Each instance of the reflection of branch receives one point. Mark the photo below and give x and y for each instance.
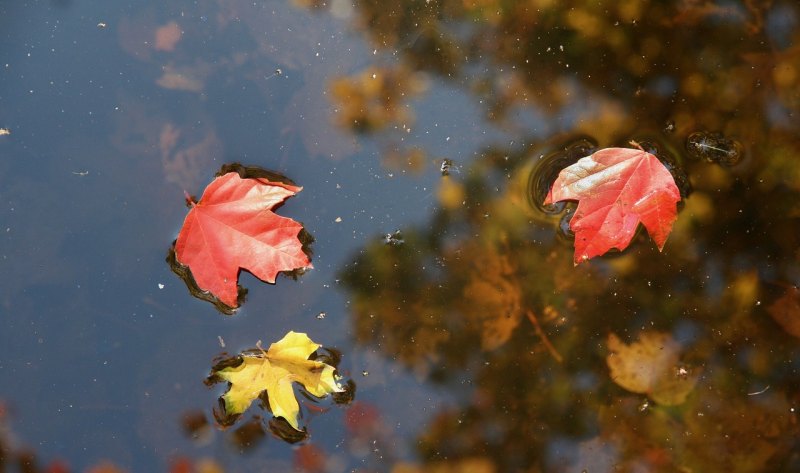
(543, 336)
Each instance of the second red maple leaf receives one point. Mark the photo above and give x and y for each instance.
(232, 227)
(616, 189)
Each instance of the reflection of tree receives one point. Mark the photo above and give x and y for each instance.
(14, 457)
(452, 300)
(691, 62)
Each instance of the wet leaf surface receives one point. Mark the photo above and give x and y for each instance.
(616, 189)
(272, 373)
(232, 227)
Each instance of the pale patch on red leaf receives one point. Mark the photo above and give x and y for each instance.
(233, 227)
(616, 189)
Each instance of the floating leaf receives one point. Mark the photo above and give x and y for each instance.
(232, 227)
(616, 188)
(273, 372)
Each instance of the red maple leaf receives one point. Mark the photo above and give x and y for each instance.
(233, 227)
(616, 188)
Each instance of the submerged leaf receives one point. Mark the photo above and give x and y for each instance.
(274, 371)
(651, 366)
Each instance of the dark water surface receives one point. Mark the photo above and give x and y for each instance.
(474, 343)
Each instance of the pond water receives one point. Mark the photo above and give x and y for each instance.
(424, 134)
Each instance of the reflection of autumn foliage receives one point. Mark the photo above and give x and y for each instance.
(167, 37)
(375, 99)
(185, 162)
(466, 465)
(436, 299)
(786, 311)
(14, 457)
(623, 64)
(492, 297)
(462, 282)
(750, 438)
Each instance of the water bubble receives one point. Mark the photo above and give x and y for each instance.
(714, 148)
(548, 167)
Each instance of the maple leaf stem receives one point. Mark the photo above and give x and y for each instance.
(550, 348)
(636, 144)
(188, 198)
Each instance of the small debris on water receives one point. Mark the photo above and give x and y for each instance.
(160, 285)
(759, 392)
(365, 373)
(643, 407)
(277, 72)
(4, 131)
(393, 239)
(101, 25)
(714, 148)
(221, 341)
(338, 220)
(447, 167)
(321, 315)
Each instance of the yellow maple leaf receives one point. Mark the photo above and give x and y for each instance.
(274, 371)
